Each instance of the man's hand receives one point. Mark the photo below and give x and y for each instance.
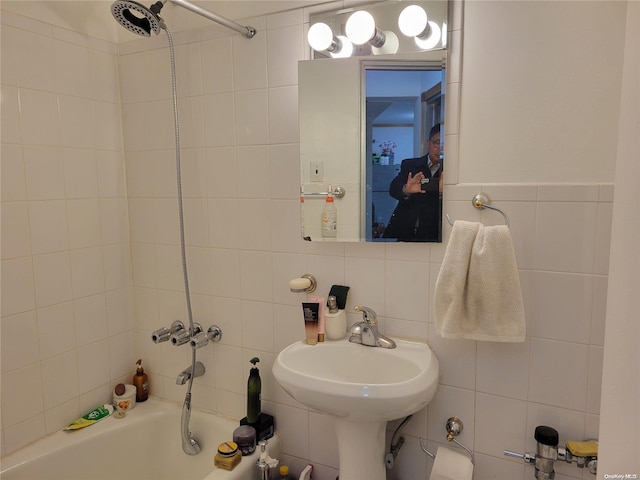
(413, 184)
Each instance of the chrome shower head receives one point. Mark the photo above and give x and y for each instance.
(136, 18)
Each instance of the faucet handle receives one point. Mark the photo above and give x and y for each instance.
(368, 314)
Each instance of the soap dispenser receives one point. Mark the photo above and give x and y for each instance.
(141, 381)
(254, 386)
(335, 320)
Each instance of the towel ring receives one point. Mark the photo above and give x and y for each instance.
(482, 200)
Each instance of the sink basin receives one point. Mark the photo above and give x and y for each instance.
(360, 388)
(356, 382)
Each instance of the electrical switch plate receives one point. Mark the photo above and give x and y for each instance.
(317, 171)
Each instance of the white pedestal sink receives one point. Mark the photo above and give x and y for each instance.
(361, 388)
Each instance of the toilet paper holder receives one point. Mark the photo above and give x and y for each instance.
(454, 427)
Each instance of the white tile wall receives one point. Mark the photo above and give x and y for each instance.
(70, 278)
(67, 329)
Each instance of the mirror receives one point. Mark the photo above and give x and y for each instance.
(404, 112)
(360, 117)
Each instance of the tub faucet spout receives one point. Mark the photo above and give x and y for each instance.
(185, 375)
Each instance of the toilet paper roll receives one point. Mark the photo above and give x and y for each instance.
(451, 465)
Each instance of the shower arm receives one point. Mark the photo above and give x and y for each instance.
(246, 31)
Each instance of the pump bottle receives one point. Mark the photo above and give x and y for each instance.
(329, 218)
(141, 381)
(335, 327)
(254, 385)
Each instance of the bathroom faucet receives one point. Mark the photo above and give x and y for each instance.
(366, 332)
(185, 375)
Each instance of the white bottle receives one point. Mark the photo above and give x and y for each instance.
(335, 321)
(329, 218)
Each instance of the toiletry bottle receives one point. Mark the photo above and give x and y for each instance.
(335, 327)
(321, 313)
(141, 381)
(254, 385)
(329, 218)
(284, 473)
(310, 311)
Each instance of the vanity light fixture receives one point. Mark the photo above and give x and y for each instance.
(385, 27)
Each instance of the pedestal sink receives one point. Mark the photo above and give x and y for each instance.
(360, 388)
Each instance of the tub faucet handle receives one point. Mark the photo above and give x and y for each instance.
(213, 334)
(163, 334)
(183, 336)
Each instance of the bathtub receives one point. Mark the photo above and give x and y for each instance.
(145, 445)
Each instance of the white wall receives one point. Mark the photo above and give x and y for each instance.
(67, 330)
(540, 96)
(620, 379)
(238, 116)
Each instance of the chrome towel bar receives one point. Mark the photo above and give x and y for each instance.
(337, 192)
(482, 200)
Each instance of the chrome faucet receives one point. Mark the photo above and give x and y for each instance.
(366, 332)
(185, 375)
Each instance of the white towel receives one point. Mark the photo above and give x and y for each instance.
(478, 295)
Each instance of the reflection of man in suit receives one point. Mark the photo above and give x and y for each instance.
(418, 189)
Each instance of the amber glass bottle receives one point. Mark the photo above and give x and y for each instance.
(141, 382)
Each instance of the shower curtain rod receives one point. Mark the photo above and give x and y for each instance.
(246, 31)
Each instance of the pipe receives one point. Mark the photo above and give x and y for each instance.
(247, 32)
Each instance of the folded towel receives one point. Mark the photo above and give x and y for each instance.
(478, 295)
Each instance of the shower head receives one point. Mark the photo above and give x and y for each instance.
(136, 18)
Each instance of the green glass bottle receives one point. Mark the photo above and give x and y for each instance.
(254, 386)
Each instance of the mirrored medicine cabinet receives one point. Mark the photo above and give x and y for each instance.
(361, 116)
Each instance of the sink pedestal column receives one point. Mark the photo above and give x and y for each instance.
(360, 449)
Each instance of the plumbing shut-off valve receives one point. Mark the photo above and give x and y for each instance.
(585, 454)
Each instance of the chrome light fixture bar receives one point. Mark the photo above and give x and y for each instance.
(382, 28)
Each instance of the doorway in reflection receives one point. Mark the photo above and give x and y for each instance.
(402, 105)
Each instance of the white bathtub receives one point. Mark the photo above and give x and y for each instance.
(145, 445)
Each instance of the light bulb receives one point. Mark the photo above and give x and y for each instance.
(360, 27)
(431, 41)
(346, 48)
(413, 21)
(320, 36)
(390, 45)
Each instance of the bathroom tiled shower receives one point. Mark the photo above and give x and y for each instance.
(91, 258)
